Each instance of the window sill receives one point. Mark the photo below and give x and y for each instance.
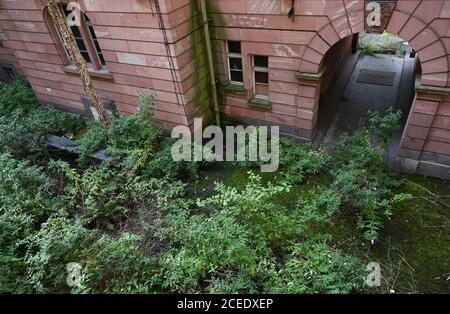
(235, 89)
(260, 103)
(99, 74)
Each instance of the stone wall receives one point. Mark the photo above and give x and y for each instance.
(133, 46)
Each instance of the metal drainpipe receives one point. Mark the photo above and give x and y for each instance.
(210, 61)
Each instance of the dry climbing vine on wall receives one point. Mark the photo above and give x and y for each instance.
(59, 20)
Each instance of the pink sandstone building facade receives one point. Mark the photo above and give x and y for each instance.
(273, 59)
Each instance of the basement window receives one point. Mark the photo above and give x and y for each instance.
(235, 66)
(7, 74)
(261, 77)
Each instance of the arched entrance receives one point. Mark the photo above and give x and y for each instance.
(425, 145)
(379, 76)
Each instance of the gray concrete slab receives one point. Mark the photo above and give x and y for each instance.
(358, 97)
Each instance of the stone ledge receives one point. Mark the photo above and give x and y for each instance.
(425, 168)
(72, 147)
(432, 89)
(235, 89)
(260, 103)
(310, 76)
(104, 73)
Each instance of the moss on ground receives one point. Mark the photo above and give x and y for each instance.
(414, 246)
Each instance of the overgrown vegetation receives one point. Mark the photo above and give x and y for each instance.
(132, 227)
(369, 48)
(136, 143)
(27, 124)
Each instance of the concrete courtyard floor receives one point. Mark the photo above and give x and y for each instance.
(346, 108)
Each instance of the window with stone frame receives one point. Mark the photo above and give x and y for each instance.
(85, 38)
(260, 77)
(235, 65)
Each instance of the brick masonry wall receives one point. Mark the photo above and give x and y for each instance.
(133, 46)
(301, 44)
(264, 28)
(332, 61)
(7, 57)
(134, 50)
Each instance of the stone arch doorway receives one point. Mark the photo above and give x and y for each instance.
(425, 143)
(354, 84)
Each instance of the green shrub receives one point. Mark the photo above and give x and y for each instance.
(119, 266)
(24, 205)
(28, 124)
(314, 267)
(131, 138)
(299, 161)
(370, 194)
(385, 126)
(162, 165)
(108, 265)
(362, 177)
(106, 196)
(60, 241)
(17, 95)
(137, 144)
(369, 48)
(319, 207)
(207, 246)
(255, 207)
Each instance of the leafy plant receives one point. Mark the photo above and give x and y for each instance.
(135, 143)
(299, 161)
(129, 137)
(28, 124)
(255, 207)
(106, 196)
(59, 242)
(384, 126)
(362, 178)
(369, 48)
(119, 266)
(207, 246)
(314, 267)
(23, 206)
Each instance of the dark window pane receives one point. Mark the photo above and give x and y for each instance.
(97, 46)
(234, 47)
(81, 44)
(64, 7)
(235, 64)
(91, 30)
(237, 76)
(90, 27)
(261, 61)
(76, 31)
(262, 77)
(102, 59)
(94, 38)
(86, 56)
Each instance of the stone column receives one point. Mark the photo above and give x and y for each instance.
(308, 104)
(414, 155)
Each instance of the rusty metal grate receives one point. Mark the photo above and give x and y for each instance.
(376, 77)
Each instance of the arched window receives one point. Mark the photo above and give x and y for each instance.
(85, 38)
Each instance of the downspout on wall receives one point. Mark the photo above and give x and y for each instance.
(210, 61)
